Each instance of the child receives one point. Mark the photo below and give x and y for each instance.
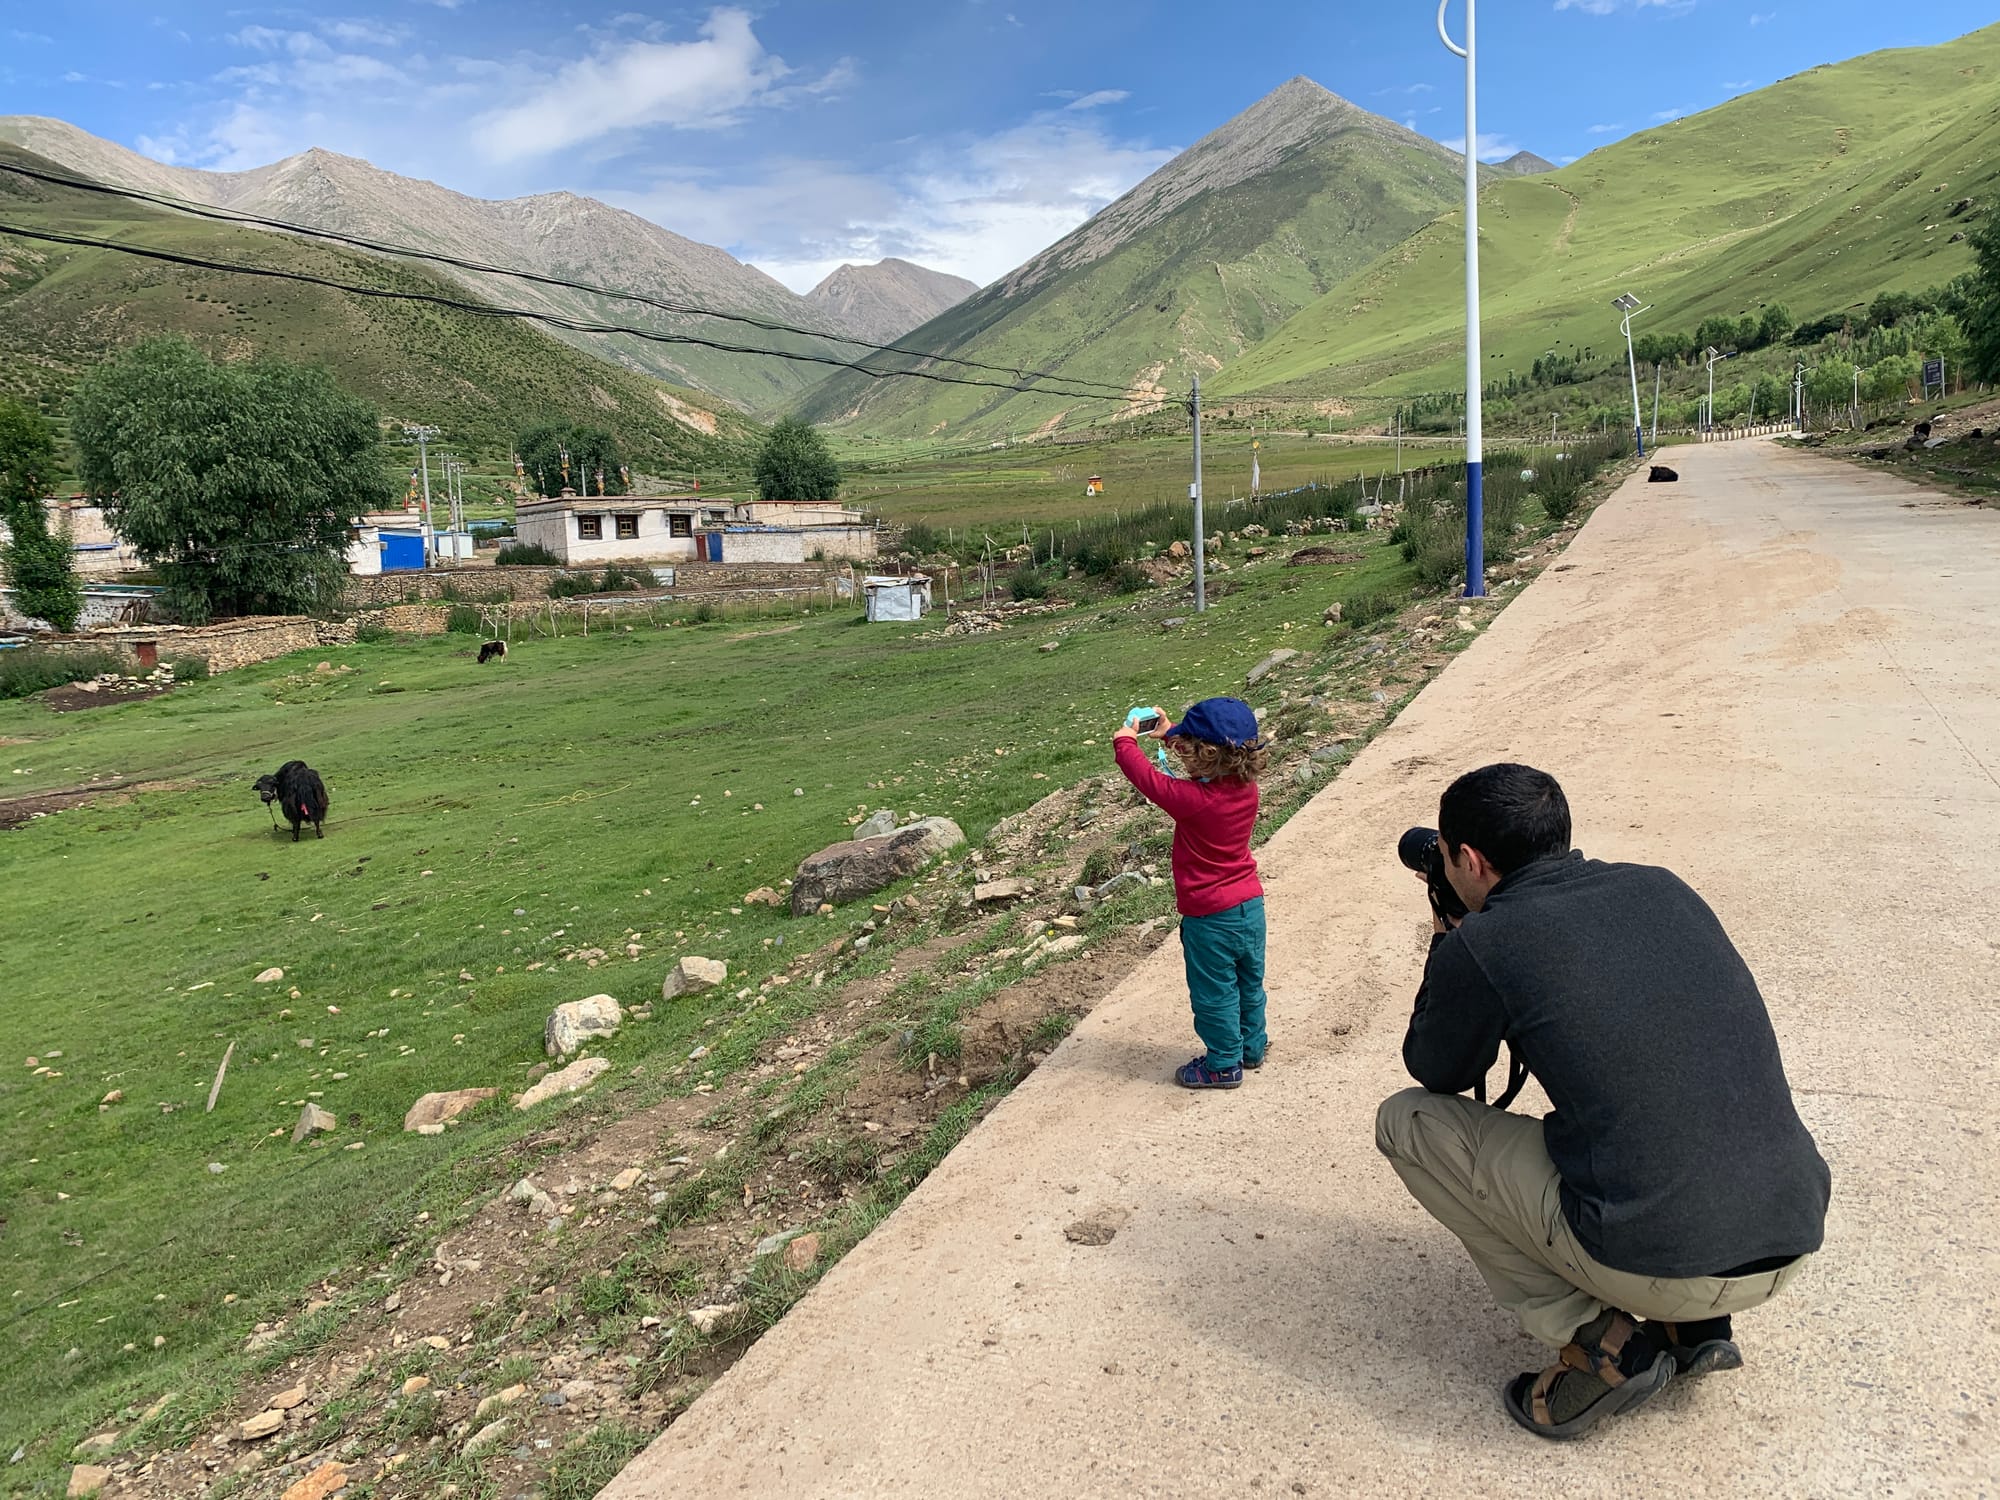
(1215, 880)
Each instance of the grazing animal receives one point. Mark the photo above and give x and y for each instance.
(490, 650)
(1662, 475)
(296, 788)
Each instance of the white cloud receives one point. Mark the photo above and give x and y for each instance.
(683, 85)
(1744, 83)
(1606, 7)
(1660, 116)
(1415, 88)
(1762, 17)
(1099, 97)
(1604, 130)
(1491, 147)
(975, 207)
(366, 33)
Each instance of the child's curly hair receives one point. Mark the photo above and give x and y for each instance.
(1210, 762)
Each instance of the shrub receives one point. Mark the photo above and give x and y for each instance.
(1560, 490)
(30, 671)
(373, 633)
(1028, 583)
(1128, 578)
(1367, 607)
(189, 669)
(527, 555)
(1434, 538)
(571, 586)
(463, 620)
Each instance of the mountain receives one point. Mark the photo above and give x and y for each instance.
(556, 234)
(1196, 264)
(882, 302)
(1523, 164)
(1819, 192)
(480, 379)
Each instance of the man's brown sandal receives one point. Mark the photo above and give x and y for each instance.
(1608, 1368)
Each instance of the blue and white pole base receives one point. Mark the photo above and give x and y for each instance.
(1639, 436)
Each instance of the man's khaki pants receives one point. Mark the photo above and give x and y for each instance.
(1486, 1176)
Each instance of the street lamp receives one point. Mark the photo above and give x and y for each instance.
(1712, 355)
(1475, 452)
(421, 434)
(1629, 305)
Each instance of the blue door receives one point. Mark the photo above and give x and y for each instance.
(402, 552)
(715, 546)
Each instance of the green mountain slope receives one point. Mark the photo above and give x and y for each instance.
(1818, 193)
(481, 380)
(1198, 263)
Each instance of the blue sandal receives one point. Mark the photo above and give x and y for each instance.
(1197, 1074)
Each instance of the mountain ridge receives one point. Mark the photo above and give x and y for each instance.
(882, 302)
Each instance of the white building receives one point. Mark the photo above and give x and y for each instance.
(618, 528)
(897, 598)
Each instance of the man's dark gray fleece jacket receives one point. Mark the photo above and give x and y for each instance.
(1673, 1128)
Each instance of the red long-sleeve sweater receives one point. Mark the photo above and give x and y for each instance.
(1213, 868)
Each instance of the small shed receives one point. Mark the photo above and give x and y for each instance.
(402, 551)
(897, 598)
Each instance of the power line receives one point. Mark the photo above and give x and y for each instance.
(554, 320)
(206, 211)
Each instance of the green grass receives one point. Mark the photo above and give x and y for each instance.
(584, 786)
(1819, 192)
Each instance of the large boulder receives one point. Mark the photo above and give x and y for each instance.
(692, 974)
(850, 870)
(573, 1079)
(435, 1109)
(570, 1026)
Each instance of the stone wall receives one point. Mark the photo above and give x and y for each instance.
(225, 647)
(478, 585)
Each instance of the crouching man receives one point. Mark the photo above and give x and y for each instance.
(1673, 1183)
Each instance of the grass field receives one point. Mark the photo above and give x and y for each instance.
(625, 787)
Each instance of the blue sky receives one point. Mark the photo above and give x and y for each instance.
(962, 134)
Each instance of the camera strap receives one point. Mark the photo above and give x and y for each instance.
(1517, 1076)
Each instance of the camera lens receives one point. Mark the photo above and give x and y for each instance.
(1414, 848)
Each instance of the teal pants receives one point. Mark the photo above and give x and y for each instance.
(1225, 976)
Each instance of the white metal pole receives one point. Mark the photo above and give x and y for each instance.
(1194, 494)
(1475, 517)
(1632, 364)
(1656, 403)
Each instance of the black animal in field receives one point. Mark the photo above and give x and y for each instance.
(298, 790)
(490, 650)
(1662, 475)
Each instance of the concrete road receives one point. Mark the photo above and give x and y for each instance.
(1781, 678)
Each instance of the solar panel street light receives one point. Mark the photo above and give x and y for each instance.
(1630, 305)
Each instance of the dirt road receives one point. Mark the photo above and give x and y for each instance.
(1777, 677)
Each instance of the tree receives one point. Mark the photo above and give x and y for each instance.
(1775, 323)
(1981, 294)
(39, 566)
(795, 464)
(592, 452)
(236, 482)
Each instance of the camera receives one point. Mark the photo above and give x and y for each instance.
(1420, 851)
(1143, 720)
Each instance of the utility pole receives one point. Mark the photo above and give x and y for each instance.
(1475, 508)
(1799, 396)
(1194, 494)
(1399, 440)
(1656, 403)
(1631, 307)
(1854, 411)
(421, 435)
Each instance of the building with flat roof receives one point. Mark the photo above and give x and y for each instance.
(618, 528)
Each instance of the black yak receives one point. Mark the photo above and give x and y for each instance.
(490, 650)
(298, 790)
(1662, 475)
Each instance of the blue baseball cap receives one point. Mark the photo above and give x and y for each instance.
(1218, 721)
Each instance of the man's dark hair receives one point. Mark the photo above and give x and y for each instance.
(1514, 815)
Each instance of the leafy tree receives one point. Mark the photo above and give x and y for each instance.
(590, 450)
(1830, 383)
(1775, 323)
(236, 482)
(39, 565)
(1980, 292)
(27, 454)
(795, 464)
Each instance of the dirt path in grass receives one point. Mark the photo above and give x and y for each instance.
(1774, 677)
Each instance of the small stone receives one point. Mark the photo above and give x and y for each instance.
(1010, 888)
(416, 1383)
(435, 1109)
(878, 824)
(394, 1302)
(499, 1399)
(216, 1168)
(269, 976)
(114, 1097)
(707, 1319)
(1269, 665)
(626, 1180)
(286, 1400)
(1098, 1228)
(327, 1479)
(98, 1442)
(763, 896)
(87, 1479)
(692, 974)
(438, 1342)
(260, 1426)
(312, 1120)
(486, 1437)
(802, 1254)
(1048, 646)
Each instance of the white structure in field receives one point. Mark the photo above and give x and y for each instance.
(897, 598)
(618, 528)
